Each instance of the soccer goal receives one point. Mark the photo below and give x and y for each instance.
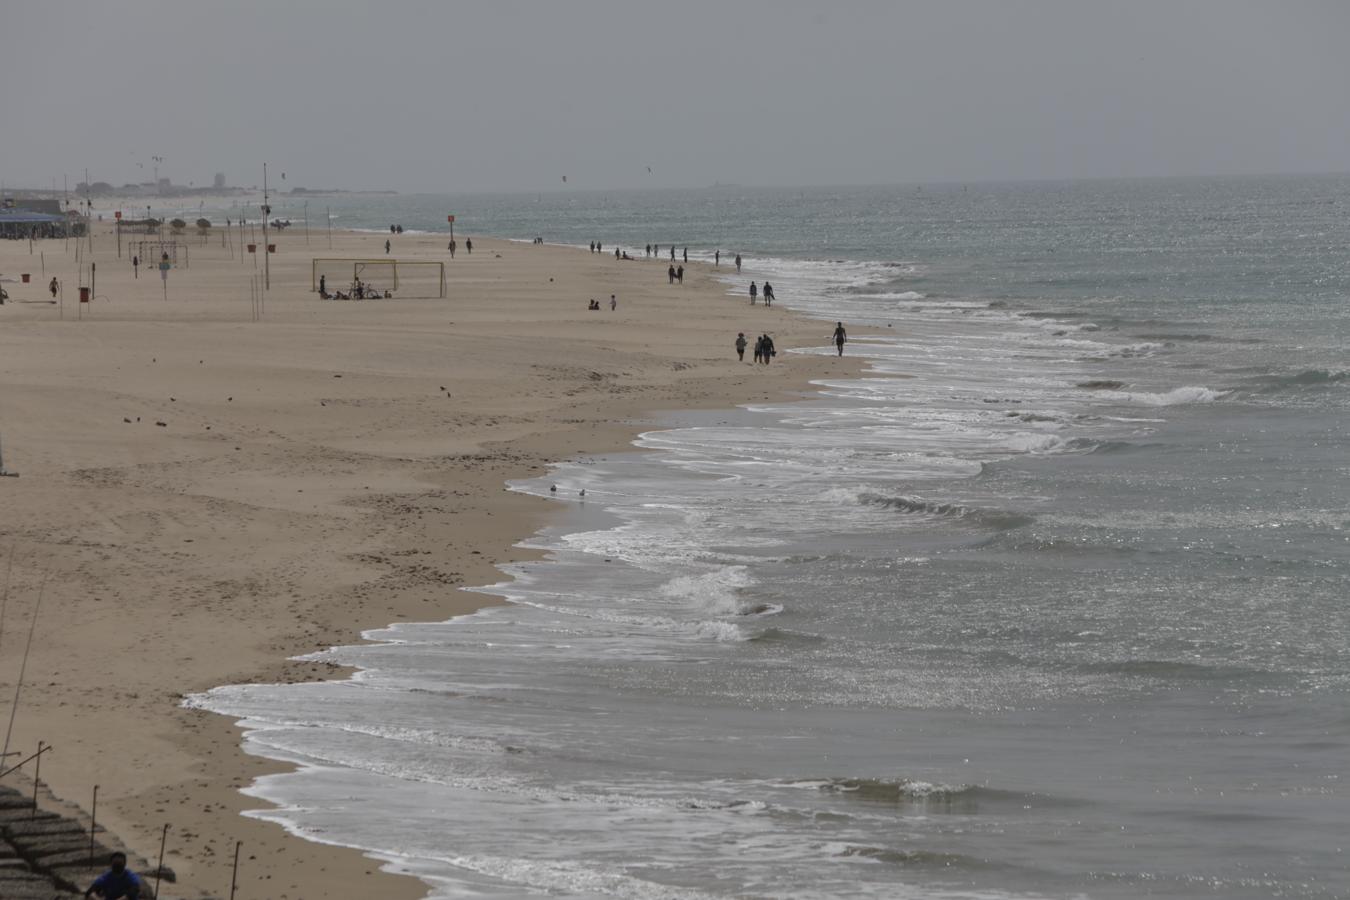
(400, 277)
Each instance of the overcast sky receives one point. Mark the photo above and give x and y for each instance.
(493, 95)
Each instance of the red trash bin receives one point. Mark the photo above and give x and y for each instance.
(84, 295)
(25, 276)
(252, 248)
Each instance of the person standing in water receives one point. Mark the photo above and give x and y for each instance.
(840, 337)
(738, 264)
(717, 258)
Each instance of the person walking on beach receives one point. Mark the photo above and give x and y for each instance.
(468, 246)
(649, 251)
(53, 287)
(323, 283)
(768, 294)
(840, 337)
(672, 252)
(738, 264)
(717, 258)
(386, 248)
(451, 248)
(613, 303)
(670, 275)
(759, 348)
(679, 274)
(118, 883)
(136, 266)
(769, 351)
(740, 346)
(754, 293)
(592, 246)
(686, 254)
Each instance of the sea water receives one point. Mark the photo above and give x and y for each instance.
(1050, 602)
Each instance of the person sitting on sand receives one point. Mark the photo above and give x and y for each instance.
(341, 296)
(118, 883)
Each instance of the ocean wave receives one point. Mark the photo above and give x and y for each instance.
(915, 506)
(1308, 378)
(1171, 669)
(1090, 445)
(1174, 397)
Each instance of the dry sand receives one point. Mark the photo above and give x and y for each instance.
(335, 467)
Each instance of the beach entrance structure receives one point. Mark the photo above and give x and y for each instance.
(406, 278)
(151, 252)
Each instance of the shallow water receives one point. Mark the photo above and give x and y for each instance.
(1050, 603)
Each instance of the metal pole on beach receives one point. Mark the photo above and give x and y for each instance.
(267, 214)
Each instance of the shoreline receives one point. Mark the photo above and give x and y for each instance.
(393, 476)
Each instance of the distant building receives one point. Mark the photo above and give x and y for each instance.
(220, 181)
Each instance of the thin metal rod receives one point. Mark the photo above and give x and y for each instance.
(23, 667)
(4, 598)
(19, 765)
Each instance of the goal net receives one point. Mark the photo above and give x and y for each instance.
(400, 277)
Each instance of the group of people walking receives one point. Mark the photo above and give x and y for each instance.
(764, 349)
(768, 294)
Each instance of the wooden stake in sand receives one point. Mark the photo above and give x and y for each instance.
(234, 875)
(93, 825)
(159, 870)
(37, 776)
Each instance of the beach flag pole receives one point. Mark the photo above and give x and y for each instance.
(159, 870)
(234, 876)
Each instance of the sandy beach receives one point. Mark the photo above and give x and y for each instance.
(202, 496)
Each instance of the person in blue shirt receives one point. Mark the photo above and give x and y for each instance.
(118, 883)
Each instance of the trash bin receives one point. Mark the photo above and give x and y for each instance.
(252, 248)
(26, 276)
(271, 248)
(84, 295)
